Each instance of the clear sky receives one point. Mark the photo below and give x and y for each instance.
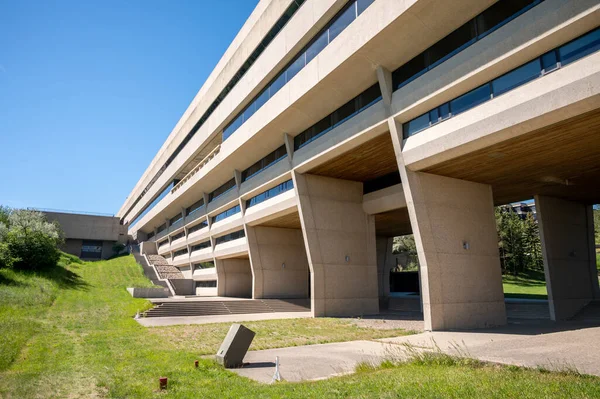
(90, 89)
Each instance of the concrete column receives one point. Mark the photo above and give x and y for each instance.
(567, 235)
(234, 277)
(455, 233)
(340, 245)
(385, 262)
(279, 263)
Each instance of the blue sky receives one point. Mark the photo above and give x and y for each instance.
(89, 90)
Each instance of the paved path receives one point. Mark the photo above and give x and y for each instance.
(230, 318)
(558, 347)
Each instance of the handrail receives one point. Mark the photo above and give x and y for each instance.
(200, 165)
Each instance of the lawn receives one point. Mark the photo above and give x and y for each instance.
(530, 285)
(85, 344)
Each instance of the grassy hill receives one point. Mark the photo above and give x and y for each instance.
(70, 334)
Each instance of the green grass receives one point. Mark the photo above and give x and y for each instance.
(85, 344)
(529, 285)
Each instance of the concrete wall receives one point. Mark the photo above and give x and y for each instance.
(340, 244)
(89, 227)
(234, 277)
(73, 247)
(279, 264)
(149, 292)
(183, 286)
(567, 234)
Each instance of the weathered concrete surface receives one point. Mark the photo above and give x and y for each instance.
(557, 347)
(232, 318)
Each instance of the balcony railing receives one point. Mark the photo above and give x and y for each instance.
(200, 165)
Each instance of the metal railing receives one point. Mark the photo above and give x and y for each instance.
(200, 165)
(71, 212)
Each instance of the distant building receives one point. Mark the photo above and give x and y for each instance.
(88, 236)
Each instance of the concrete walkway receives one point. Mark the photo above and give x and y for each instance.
(556, 347)
(230, 318)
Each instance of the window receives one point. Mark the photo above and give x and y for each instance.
(264, 163)
(516, 77)
(204, 265)
(202, 245)
(580, 47)
(180, 252)
(500, 13)
(156, 200)
(221, 190)
(495, 16)
(322, 39)
(197, 227)
(163, 243)
(379, 183)
(178, 236)
(150, 235)
(175, 219)
(281, 22)
(194, 207)
(91, 249)
(206, 284)
(230, 237)
(273, 192)
(470, 99)
(337, 117)
(229, 212)
(161, 228)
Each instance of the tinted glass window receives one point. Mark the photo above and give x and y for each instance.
(451, 43)
(276, 85)
(197, 227)
(498, 13)
(416, 125)
(549, 61)
(580, 47)
(363, 4)
(204, 265)
(294, 68)
(316, 47)
(516, 77)
(222, 190)
(195, 206)
(341, 22)
(202, 245)
(470, 100)
(262, 99)
(410, 70)
(344, 112)
(248, 112)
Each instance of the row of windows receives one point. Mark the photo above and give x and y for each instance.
(163, 243)
(161, 228)
(264, 163)
(540, 66)
(202, 245)
(206, 284)
(339, 116)
(381, 182)
(270, 193)
(180, 252)
(204, 265)
(230, 237)
(281, 22)
(322, 39)
(178, 236)
(482, 25)
(175, 219)
(194, 207)
(229, 212)
(150, 235)
(221, 190)
(198, 226)
(160, 196)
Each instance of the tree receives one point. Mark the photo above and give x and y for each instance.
(118, 247)
(29, 241)
(406, 245)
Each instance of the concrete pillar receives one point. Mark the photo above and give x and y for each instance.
(234, 277)
(455, 233)
(340, 245)
(279, 263)
(567, 235)
(385, 262)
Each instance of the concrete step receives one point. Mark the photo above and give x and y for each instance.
(211, 308)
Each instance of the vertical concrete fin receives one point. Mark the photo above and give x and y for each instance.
(384, 77)
(289, 146)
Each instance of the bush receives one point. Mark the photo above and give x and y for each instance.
(118, 248)
(28, 241)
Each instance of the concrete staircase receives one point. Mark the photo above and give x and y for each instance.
(163, 268)
(148, 270)
(215, 308)
(589, 314)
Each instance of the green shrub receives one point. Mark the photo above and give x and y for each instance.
(28, 241)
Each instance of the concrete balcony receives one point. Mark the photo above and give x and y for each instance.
(202, 255)
(231, 248)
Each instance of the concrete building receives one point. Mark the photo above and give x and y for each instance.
(330, 126)
(89, 236)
